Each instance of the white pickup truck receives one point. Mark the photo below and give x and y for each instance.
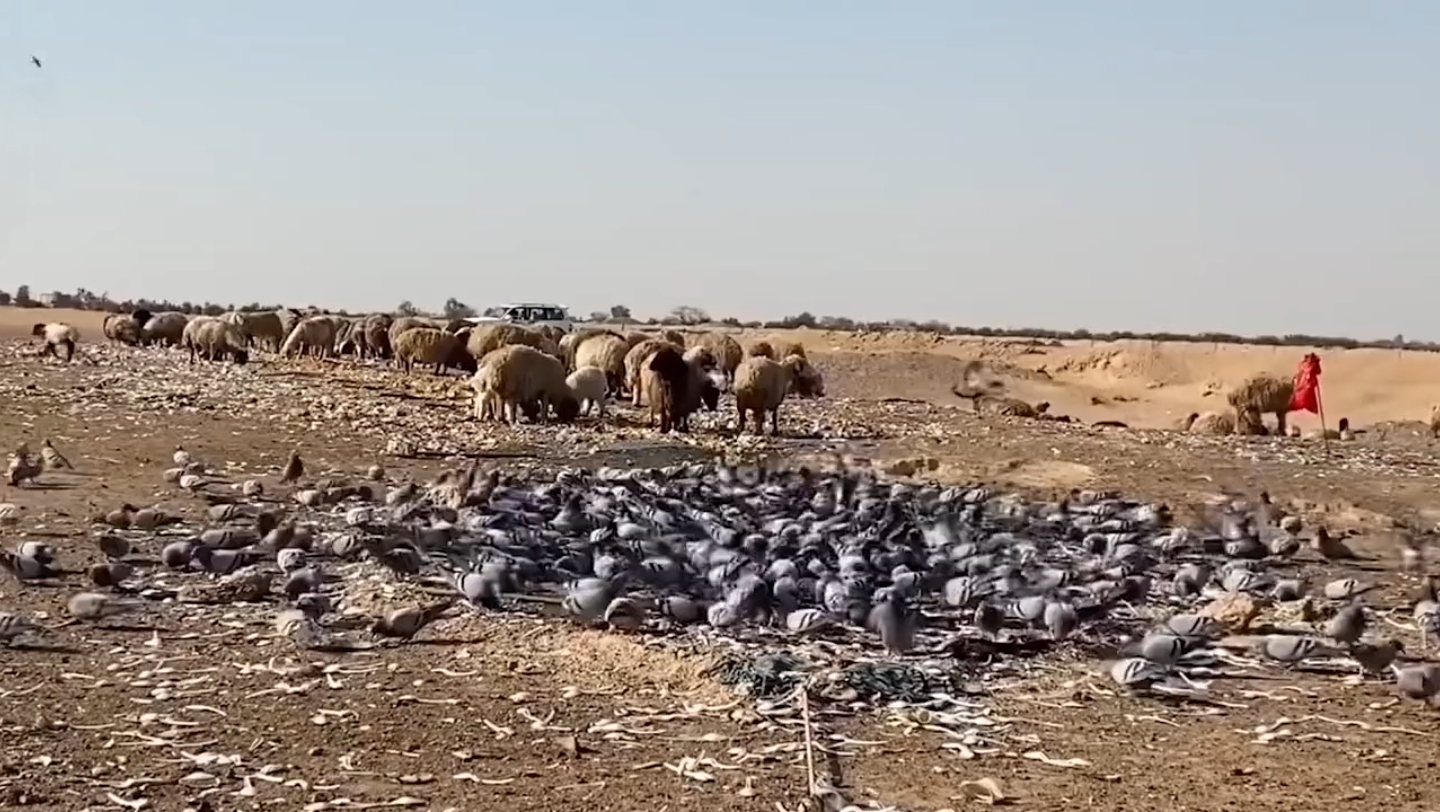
(530, 314)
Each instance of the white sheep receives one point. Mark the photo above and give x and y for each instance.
(589, 385)
(315, 334)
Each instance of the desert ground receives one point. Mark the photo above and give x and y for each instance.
(202, 708)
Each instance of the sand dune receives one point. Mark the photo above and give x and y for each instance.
(1143, 384)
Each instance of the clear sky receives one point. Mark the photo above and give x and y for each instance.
(1257, 167)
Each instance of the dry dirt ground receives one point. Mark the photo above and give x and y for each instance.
(205, 710)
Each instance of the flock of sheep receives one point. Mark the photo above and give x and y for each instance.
(543, 372)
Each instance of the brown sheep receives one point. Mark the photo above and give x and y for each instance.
(515, 375)
(491, 337)
(666, 380)
(605, 351)
(1435, 420)
(808, 383)
(725, 349)
(425, 345)
(374, 336)
(164, 328)
(636, 359)
(760, 387)
(1260, 395)
(674, 337)
(1211, 423)
(400, 325)
(573, 339)
(792, 348)
(761, 349)
(551, 332)
(635, 337)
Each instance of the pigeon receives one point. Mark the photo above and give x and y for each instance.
(624, 614)
(1287, 648)
(28, 567)
(35, 60)
(405, 623)
(1331, 549)
(1348, 625)
(1418, 681)
(294, 468)
(52, 459)
(895, 620)
(112, 546)
(98, 605)
(111, 574)
(1427, 614)
(1376, 658)
(14, 626)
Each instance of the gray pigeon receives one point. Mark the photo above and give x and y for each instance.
(97, 605)
(895, 620)
(1348, 625)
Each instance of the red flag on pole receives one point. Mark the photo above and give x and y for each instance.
(1306, 397)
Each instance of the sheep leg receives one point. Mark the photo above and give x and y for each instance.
(739, 419)
(1280, 421)
(69, 350)
(774, 422)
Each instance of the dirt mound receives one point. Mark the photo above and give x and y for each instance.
(1147, 367)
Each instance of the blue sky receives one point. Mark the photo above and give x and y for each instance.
(1251, 167)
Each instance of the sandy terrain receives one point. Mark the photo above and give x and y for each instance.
(203, 710)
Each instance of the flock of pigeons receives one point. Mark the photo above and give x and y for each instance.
(804, 552)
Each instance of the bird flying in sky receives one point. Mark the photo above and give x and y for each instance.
(36, 60)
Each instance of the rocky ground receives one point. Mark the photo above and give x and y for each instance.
(202, 708)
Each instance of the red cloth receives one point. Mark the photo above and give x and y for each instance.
(1306, 397)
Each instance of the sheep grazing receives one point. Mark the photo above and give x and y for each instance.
(491, 337)
(636, 359)
(725, 349)
(58, 334)
(606, 351)
(761, 349)
(121, 327)
(570, 341)
(589, 385)
(215, 338)
(760, 387)
(404, 323)
(373, 337)
(426, 345)
(289, 317)
(164, 328)
(314, 335)
(1260, 395)
(1209, 423)
(792, 348)
(808, 383)
(667, 383)
(517, 374)
(261, 329)
(674, 337)
(460, 357)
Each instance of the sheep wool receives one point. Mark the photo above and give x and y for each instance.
(488, 338)
(808, 383)
(121, 327)
(589, 385)
(761, 349)
(791, 348)
(1212, 423)
(726, 350)
(425, 345)
(607, 352)
(674, 337)
(56, 335)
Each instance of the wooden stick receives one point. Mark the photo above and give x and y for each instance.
(809, 742)
(1320, 407)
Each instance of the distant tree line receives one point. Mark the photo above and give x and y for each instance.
(690, 316)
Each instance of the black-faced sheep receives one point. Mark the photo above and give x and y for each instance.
(760, 388)
(589, 385)
(517, 374)
(667, 381)
(606, 351)
(215, 339)
(761, 349)
(58, 334)
(1260, 395)
(427, 346)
